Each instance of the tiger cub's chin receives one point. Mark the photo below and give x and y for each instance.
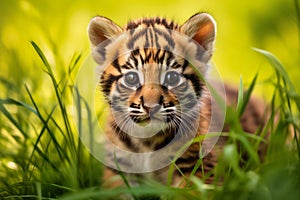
(154, 80)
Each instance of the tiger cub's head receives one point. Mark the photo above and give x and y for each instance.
(149, 75)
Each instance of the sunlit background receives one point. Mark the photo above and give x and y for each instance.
(59, 27)
(34, 160)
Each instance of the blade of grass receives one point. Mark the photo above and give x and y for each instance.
(58, 147)
(58, 96)
(276, 64)
(79, 100)
(35, 145)
(91, 132)
(247, 96)
(249, 149)
(123, 175)
(71, 67)
(288, 85)
(42, 56)
(18, 103)
(39, 190)
(74, 62)
(12, 119)
(240, 96)
(121, 172)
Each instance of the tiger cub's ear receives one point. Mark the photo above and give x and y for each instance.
(202, 28)
(101, 28)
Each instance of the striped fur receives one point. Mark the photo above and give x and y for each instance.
(147, 76)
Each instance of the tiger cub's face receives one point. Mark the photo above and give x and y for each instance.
(148, 73)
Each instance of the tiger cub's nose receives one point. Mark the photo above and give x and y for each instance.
(151, 98)
(153, 109)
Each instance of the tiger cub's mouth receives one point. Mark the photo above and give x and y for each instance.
(154, 114)
(141, 120)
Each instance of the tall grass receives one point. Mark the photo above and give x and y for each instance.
(42, 156)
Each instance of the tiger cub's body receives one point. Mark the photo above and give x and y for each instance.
(156, 98)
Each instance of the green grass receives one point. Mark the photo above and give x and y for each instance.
(42, 156)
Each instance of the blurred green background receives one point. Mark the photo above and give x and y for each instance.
(59, 28)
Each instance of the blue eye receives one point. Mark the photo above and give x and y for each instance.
(172, 79)
(132, 79)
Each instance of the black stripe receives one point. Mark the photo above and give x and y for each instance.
(132, 57)
(131, 31)
(142, 59)
(167, 48)
(175, 65)
(185, 65)
(190, 99)
(115, 104)
(164, 22)
(160, 60)
(152, 22)
(155, 57)
(120, 99)
(127, 65)
(106, 81)
(135, 52)
(168, 138)
(186, 169)
(115, 63)
(124, 137)
(206, 167)
(134, 38)
(170, 57)
(197, 85)
(166, 36)
(151, 38)
(147, 40)
(148, 54)
(156, 40)
(158, 20)
(188, 160)
(122, 89)
(101, 49)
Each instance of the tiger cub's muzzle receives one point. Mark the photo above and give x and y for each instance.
(152, 102)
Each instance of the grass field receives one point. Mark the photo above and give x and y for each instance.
(44, 45)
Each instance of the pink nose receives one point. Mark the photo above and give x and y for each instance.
(152, 109)
(151, 97)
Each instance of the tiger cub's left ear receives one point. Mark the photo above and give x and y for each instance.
(101, 28)
(202, 28)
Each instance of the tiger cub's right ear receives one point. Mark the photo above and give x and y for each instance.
(100, 29)
(202, 28)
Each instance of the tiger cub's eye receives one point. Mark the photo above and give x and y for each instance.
(132, 79)
(172, 79)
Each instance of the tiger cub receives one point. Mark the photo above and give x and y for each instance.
(157, 100)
